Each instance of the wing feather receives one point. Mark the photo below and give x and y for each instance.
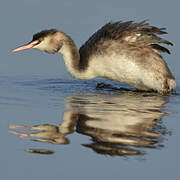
(133, 33)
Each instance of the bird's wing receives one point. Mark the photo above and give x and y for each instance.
(132, 33)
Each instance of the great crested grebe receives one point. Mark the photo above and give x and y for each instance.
(126, 52)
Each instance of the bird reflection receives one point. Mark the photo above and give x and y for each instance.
(118, 124)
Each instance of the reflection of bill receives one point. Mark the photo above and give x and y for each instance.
(118, 124)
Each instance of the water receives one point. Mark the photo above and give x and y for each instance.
(61, 128)
(68, 129)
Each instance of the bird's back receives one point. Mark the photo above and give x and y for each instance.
(137, 43)
(138, 34)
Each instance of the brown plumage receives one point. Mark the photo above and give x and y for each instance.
(138, 34)
(126, 52)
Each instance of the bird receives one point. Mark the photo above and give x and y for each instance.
(124, 51)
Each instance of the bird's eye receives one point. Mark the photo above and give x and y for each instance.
(36, 42)
(39, 41)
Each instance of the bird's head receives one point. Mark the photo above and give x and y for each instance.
(49, 41)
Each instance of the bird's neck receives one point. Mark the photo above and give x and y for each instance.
(72, 60)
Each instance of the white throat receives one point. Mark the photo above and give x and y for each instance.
(71, 58)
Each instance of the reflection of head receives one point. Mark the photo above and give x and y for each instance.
(118, 124)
